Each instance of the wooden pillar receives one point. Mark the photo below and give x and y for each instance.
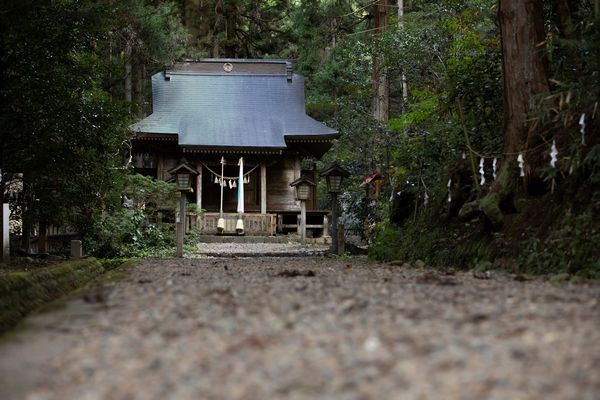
(334, 223)
(302, 226)
(199, 189)
(160, 167)
(325, 226)
(181, 226)
(43, 238)
(4, 232)
(263, 188)
(341, 240)
(297, 168)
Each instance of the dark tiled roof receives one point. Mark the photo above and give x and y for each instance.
(230, 110)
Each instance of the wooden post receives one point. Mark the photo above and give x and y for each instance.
(334, 224)
(160, 167)
(43, 238)
(5, 233)
(181, 226)
(263, 188)
(325, 226)
(76, 249)
(302, 226)
(199, 190)
(341, 240)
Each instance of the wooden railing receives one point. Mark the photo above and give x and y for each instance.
(254, 224)
(58, 239)
(317, 222)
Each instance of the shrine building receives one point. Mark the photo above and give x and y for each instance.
(218, 110)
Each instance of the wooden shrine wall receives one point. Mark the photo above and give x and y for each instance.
(280, 195)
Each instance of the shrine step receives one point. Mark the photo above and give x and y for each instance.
(260, 239)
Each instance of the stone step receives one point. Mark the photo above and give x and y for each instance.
(260, 239)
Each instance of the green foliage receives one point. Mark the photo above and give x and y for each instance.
(133, 232)
(63, 71)
(419, 112)
(61, 129)
(446, 50)
(192, 208)
(128, 233)
(192, 239)
(572, 246)
(385, 245)
(150, 194)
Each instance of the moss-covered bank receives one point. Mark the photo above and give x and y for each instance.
(547, 234)
(23, 292)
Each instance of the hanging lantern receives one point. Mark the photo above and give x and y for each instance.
(183, 175)
(334, 176)
(302, 186)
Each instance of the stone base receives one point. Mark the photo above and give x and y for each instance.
(261, 239)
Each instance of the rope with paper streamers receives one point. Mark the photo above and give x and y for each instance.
(553, 153)
(228, 178)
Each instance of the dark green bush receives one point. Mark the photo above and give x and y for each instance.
(571, 247)
(128, 233)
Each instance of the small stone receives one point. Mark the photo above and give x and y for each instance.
(396, 263)
(300, 286)
(371, 344)
(420, 264)
(482, 274)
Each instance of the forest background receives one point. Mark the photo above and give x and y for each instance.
(488, 148)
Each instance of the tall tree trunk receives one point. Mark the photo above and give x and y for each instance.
(128, 77)
(139, 89)
(381, 86)
(525, 74)
(402, 74)
(564, 17)
(230, 11)
(525, 70)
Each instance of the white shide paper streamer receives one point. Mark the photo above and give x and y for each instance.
(582, 129)
(553, 154)
(521, 161)
(482, 171)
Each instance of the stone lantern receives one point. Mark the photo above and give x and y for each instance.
(303, 187)
(334, 175)
(183, 174)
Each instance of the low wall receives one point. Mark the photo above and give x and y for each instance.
(23, 292)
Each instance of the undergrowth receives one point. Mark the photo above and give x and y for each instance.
(550, 234)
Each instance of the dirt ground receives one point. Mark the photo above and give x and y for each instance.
(310, 328)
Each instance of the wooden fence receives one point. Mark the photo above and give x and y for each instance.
(254, 224)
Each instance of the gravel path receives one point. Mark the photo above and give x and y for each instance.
(259, 249)
(310, 328)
